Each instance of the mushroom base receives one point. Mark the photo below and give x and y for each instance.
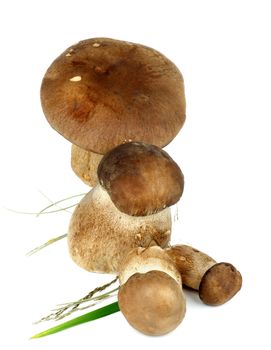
(100, 236)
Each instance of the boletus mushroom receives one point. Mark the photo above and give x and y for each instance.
(128, 209)
(216, 282)
(150, 295)
(100, 93)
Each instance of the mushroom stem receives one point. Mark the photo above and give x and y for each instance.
(191, 263)
(85, 163)
(150, 296)
(100, 236)
(216, 282)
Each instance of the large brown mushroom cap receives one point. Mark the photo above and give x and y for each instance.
(102, 92)
(152, 302)
(141, 179)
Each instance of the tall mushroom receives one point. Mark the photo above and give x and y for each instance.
(150, 295)
(217, 283)
(138, 182)
(100, 93)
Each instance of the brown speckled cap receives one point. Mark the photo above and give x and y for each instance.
(102, 92)
(141, 179)
(152, 302)
(219, 284)
(150, 295)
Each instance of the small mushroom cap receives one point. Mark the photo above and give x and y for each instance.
(141, 179)
(102, 92)
(219, 284)
(152, 302)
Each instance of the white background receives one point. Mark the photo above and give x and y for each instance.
(223, 51)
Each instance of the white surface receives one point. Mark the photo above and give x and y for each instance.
(223, 51)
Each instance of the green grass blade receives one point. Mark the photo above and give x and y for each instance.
(90, 316)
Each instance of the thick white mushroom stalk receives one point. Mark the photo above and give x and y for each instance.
(100, 236)
(145, 260)
(84, 164)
